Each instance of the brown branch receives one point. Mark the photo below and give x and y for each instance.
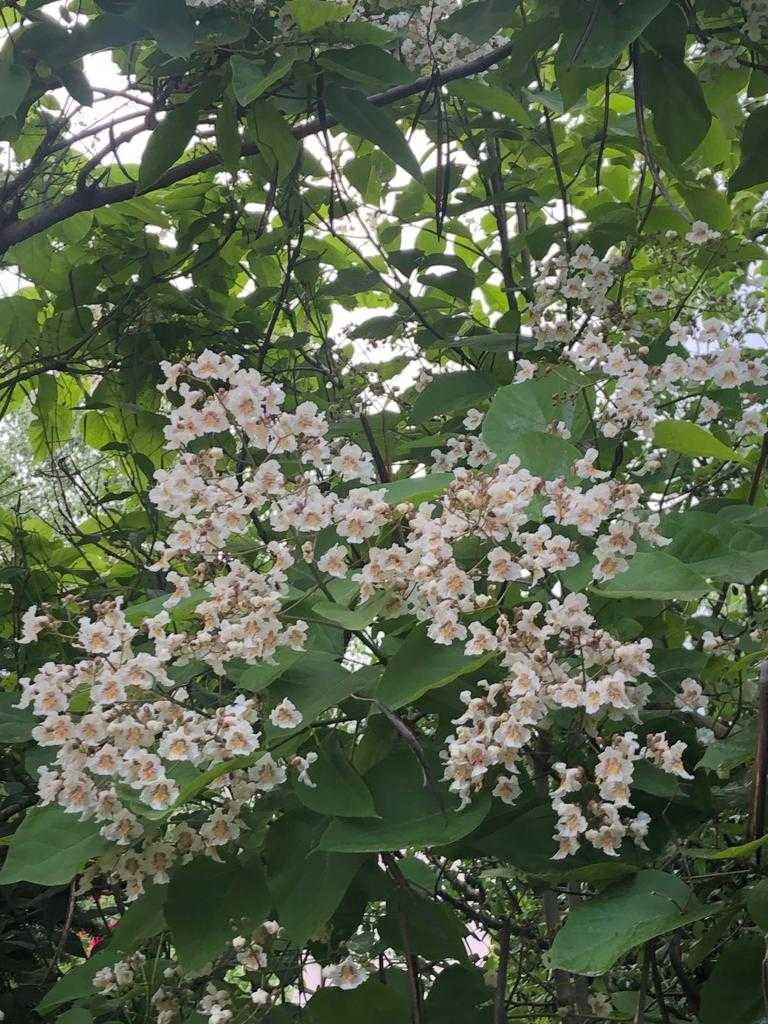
(500, 995)
(94, 198)
(382, 469)
(65, 927)
(639, 1017)
(759, 470)
(411, 960)
(757, 812)
(686, 983)
(658, 990)
(637, 85)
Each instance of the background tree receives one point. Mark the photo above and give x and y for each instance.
(384, 534)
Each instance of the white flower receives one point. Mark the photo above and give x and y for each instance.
(507, 788)
(701, 233)
(286, 715)
(352, 463)
(31, 625)
(334, 561)
(347, 974)
(691, 697)
(473, 419)
(160, 795)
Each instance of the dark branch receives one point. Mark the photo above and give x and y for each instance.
(94, 197)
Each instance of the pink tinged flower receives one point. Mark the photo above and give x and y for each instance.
(482, 640)
(295, 636)
(160, 795)
(507, 789)
(286, 715)
(32, 625)
(567, 846)
(348, 974)
(97, 637)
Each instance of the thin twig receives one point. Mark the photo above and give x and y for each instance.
(757, 810)
(637, 85)
(500, 997)
(65, 927)
(643, 993)
(93, 198)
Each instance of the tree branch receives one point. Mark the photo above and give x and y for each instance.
(94, 198)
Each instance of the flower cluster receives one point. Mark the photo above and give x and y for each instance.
(129, 740)
(612, 781)
(422, 41)
(120, 976)
(556, 658)
(756, 25)
(635, 390)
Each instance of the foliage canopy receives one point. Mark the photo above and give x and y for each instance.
(384, 538)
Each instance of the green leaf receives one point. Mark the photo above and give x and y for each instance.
(681, 117)
(573, 81)
(371, 1002)
(449, 393)
(729, 852)
(313, 14)
(205, 898)
(733, 991)
(169, 140)
(52, 425)
(354, 112)
(169, 22)
(650, 779)
(272, 134)
(731, 752)
(691, 439)
(459, 996)
(338, 790)
(656, 576)
(352, 618)
(597, 33)
(600, 931)
(76, 1015)
(50, 847)
(709, 205)
(250, 78)
(77, 983)
(416, 488)
(14, 82)
(478, 21)
(355, 32)
(412, 812)
(533, 405)
(316, 683)
(142, 920)
(753, 169)
(546, 455)
(434, 930)
(371, 66)
(307, 884)
(735, 567)
(756, 901)
(489, 97)
(16, 724)
(421, 665)
(77, 85)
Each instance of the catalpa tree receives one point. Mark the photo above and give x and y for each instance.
(384, 535)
